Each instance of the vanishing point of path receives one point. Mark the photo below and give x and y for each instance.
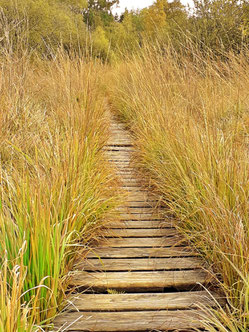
(141, 277)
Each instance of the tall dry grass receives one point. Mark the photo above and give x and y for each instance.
(190, 118)
(54, 181)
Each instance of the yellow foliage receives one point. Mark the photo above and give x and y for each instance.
(154, 18)
(46, 22)
(100, 42)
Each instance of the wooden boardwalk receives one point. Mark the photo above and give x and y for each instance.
(142, 276)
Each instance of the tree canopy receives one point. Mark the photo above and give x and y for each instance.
(219, 25)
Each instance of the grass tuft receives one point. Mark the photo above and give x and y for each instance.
(55, 183)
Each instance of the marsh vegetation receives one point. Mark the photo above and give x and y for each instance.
(179, 80)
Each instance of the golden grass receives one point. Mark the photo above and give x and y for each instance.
(190, 118)
(54, 181)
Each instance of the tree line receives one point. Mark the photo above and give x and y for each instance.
(90, 27)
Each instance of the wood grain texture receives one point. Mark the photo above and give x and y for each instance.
(107, 252)
(129, 321)
(142, 301)
(145, 242)
(139, 280)
(140, 232)
(144, 224)
(140, 264)
(142, 216)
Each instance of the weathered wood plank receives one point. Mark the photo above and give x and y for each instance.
(121, 163)
(142, 301)
(141, 224)
(140, 210)
(155, 280)
(131, 184)
(123, 171)
(117, 140)
(146, 204)
(139, 264)
(106, 252)
(142, 196)
(129, 181)
(120, 155)
(129, 321)
(140, 232)
(120, 151)
(119, 133)
(134, 189)
(140, 217)
(129, 177)
(143, 242)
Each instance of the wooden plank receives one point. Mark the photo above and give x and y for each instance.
(140, 264)
(152, 212)
(128, 176)
(137, 185)
(119, 132)
(149, 206)
(142, 301)
(120, 152)
(144, 204)
(154, 280)
(147, 203)
(129, 181)
(139, 210)
(121, 159)
(118, 159)
(125, 154)
(118, 126)
(140, 217)
(140, 252)
(141, 196)
(116, 132)
(117, 139)
(140, 232)
(163, 320)
(119, 143)
(113, 139)
(115, 242)
(115, 148)
(141, 224)
(119, 162)
(134, 189)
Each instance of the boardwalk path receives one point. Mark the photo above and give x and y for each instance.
(141, 277)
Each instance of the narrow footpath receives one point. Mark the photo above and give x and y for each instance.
(142, 276)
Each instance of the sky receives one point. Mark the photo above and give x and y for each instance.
(138, 4)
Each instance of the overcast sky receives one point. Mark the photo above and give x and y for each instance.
(134, 4)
